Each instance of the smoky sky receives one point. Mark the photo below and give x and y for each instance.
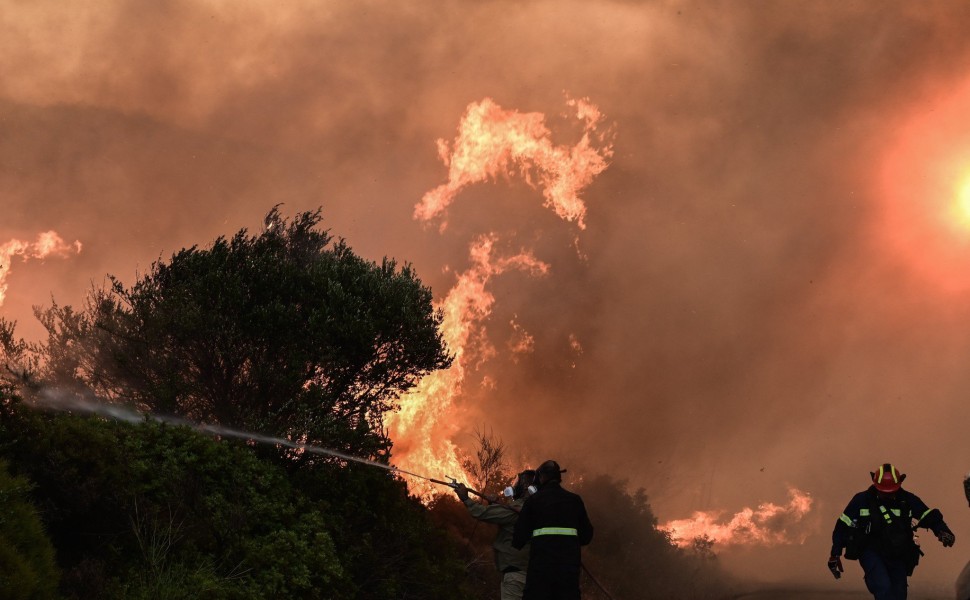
(739, 326)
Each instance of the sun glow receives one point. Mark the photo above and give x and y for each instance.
(962, 204)
(925, 192)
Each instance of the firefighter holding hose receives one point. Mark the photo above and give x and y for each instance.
(511, 562)
(876, 528)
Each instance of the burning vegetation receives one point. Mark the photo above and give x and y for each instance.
(48, 243)
(492, 142)
(136, 506)
(767, 525)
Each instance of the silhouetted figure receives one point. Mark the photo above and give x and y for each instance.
(963, 581)
(555, 522)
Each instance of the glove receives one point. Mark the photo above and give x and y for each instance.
(462, 492)
(835, 565)
(946, 537)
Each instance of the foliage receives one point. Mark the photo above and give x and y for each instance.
(285, 332)
(173, 512)
(489, 469)
(631, 558)
(27, 569)
(288, 333)
(473, 545)
(18, 365)
(393, 550)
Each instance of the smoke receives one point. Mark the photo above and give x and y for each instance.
(739, 321)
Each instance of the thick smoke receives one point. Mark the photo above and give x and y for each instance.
(738, 324)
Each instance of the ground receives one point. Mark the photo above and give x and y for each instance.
(820, 595)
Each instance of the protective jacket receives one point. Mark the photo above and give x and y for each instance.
(884, 525)
(507, 558)
(556, 523)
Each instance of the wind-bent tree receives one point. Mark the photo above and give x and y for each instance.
(285, 332)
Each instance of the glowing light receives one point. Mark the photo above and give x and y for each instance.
(925, 191)
(768, 525)
(48, 244)
(963, 203)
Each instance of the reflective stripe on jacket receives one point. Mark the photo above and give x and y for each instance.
(556, 523)
(856, 519)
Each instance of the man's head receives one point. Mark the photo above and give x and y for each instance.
(549, 471)
(887, 479)
(522, 483)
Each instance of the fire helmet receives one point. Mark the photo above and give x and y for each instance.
(887, 478)
(549, 471)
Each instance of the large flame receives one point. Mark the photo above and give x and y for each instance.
(48, 244)
(768, 525)
(423, 427)
(491, 142)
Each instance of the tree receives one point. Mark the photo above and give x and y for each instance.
(632, 558)
(287, 332)
(489, 469)
(18, 365)
(153, 511)
(27, 570)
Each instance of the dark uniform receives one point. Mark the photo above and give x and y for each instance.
(876, 528)
(555, 522)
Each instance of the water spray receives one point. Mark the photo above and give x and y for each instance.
(84, 402)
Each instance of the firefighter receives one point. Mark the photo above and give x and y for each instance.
(876, 529)
(963, 581)
(511, 562)
(555, 522)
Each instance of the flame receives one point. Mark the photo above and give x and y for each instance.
(48, 244)
(767, 525)
(521, 342)
(492, 141)
(421, 434)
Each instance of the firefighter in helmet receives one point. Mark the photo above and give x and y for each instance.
(556, 524)
(876, 528)
(511, 562)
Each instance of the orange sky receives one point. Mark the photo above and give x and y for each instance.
(764, 294)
